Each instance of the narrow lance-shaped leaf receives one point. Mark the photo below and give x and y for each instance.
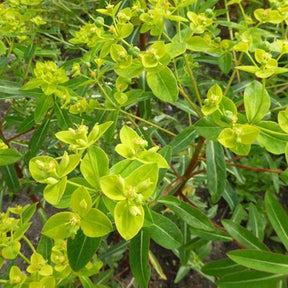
(45, 247)
(9, 156)
(249, 279)
(139, 258)
(38, 138)
(164, 232)
(222, 267)
(243, 236)
(202, 226)
(10, 177)
(278, 218)
(189, 214)
(256, 221)
(63, 118)
(216, 172)
(42, 107)
(183, 140)
(261, 260)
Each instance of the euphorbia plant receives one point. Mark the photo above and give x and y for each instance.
(186, 96)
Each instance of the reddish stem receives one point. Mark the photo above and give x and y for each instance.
(255, 168)
(20, 134)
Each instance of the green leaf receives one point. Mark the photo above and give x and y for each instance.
(152, 157)
(216, 170)
(283, 120)
(278, 218)
(45, 247)
(81, 249)
(230, 196)
(213, 235)
(221, 268)
(197, 43)
(207, 128)
(261, 260)
(62, 116)
(54, 193)
(9, 156)
(139, 258)
(87, 282)
(183, 140)
(11, 251)
(163, 85)
(156, 265)
(256, 221)
(9, 89)
(243, 236)
(175, 49)
(164, 232)
(286, 152)
(61, 225)
(96, 224)
(125, 167)
(272, 137)
(29, 52)
(256, 101)
(192, 216)
(10, 177)
(130, 71)
(81, 201)
(28, 212)
(249, 279)
(2, 48)
(32, 84)
(38, 138)
(214, 98)
(43, 105)
(181, 273)
(225, 62)
(128, 221)
(68, 163)
(144, 178)
(113, 187)
(250, 69)
(94, 165)
(43, 167)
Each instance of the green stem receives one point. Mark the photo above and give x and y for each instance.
(24, 258)
(166, 35)
(29, 244)
(79, 185)
(149, 123)
(251, 59)
(11, 44)
(105, 93)
(105, 109)
(179, 28)
(192, 104)
(242, 10)
(193, 80)
(232, 76)
(27, 69)
(228, 19)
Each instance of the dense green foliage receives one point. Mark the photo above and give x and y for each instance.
(119, 115)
